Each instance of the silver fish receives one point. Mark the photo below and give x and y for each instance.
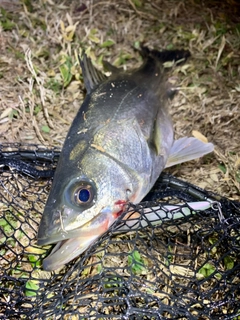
(119, 143)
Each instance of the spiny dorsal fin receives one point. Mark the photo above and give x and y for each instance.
(111, 68)
(91, 76)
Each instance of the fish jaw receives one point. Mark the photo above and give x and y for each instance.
(78, 240)
(58, 232)
(67, 250)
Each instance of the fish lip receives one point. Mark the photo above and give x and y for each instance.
(65, 251)
(91, 228)
(63, 236)
(53, 238)
(47, 241)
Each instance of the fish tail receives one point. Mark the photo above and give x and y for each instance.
(153, 61)
(178, 56)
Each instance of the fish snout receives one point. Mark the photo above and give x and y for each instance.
(51, 231)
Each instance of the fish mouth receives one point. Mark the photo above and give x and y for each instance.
(59, 233)
(75, 242)
(67, 250)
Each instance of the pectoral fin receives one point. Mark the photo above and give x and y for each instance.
(186, 149)
(161, 137)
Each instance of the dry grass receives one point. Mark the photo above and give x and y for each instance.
(39, 40)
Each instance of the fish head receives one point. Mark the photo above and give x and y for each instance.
(82, 205)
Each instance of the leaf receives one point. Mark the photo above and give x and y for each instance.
(228, 262)
(62, 26)
(6, 113)
(65, 69)
(136, 256)
(136, 263)
(13, 114)
(36, 250)
(37, 109)
(121, 60)
(207, 270)
(137, 3)
(92, 36)
(45, 129)
(170, 46)
(199, 136)
(51, 73)
(31, 288)
(66, 74)
(136, 44)
(7, 25)
(70, 29)
(3, 222)
(32, 258)
(107, 44)
(237, 176)
(222, 167)
(54, 85)
(220, 50)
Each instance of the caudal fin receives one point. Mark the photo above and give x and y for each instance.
(178, 56)
(186, 149)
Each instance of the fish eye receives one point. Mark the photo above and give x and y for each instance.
(84, 194)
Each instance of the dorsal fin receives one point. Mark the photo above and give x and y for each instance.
(91, 76)
(111, 68)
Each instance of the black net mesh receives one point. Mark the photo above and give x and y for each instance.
(173, 258)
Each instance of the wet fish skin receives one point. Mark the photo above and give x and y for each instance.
(116, 148)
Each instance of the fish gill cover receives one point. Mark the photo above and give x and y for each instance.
(179, 258)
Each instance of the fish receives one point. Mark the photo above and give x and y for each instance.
(120, 141)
